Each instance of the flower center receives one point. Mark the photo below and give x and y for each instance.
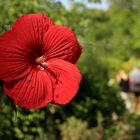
(41, 62)
(41, 59)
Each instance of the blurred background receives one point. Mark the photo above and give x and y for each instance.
(109, 31)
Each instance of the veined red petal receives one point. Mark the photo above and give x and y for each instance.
(60, 42)
(21, 45)
(14, 62)
(33, 91)
(66, 81)
(30, 29)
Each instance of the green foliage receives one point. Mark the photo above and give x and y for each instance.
(135, 126)
(74, 129)
(94, 0)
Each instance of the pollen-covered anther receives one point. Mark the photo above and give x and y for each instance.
(41, 61)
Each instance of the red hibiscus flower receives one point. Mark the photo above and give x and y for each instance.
(37, 62)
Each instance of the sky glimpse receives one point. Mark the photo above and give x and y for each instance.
(103, 5)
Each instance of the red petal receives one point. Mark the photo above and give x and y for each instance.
(67, 79)
(32, 91)
(60, 42)
(30, 29)
(14, 62)
(20, 46)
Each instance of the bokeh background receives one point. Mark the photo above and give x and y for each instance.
(109, 32)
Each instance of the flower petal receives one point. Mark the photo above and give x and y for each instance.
(14, 62)
(60, 42)
(33, 91)
(21, 45)
(30, 29)
(67, 79)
